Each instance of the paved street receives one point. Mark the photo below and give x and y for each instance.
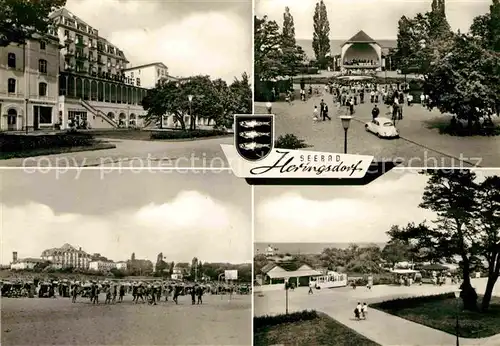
(380, 327)
(43, 321)
(419, 146)
(205, 153)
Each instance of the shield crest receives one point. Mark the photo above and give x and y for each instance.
(254, 135)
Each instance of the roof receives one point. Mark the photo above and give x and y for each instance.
(146, 65)
(295, 273)
(268, 267)
(65, 13)
(29, 259)
(361, 37)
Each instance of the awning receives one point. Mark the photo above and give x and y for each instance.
(404, 271)
(295, 273)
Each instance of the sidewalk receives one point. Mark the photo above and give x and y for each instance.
(383, 328)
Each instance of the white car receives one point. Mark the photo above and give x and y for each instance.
(382, 127)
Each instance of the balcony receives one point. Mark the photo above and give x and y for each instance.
(80, 43)
(81, 56)
(70, 52)
(68, 39)
(69, 68)
(100, 62)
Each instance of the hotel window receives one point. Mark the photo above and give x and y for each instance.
(138, 82)
(43, 45)
(11, 85)
(11, 60)
(42, 66)
(132, 74)
(42, 89)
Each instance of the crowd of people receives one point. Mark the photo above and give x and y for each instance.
(151, 291)
(360, 62)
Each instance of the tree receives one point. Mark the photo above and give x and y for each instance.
(161, 265)
(451, 194)
(211, 99)
(267, 50)
(321, 34)
(395, 250)
(464, 80)
(292, 54)
(171, 268)
(194, 269)
(439, 27)
(21, 19)
(488, 243)
(487, 27)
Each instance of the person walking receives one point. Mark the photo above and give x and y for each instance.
(325, 113)
(315, 113)
(375, 112)
(321, 108)
(311, 285)
(364, 311)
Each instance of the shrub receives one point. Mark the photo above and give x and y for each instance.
(269, 321)
(186, 134)
(16, 143)
(405, 303)
(290, 141)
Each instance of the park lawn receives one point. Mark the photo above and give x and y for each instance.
(321, 330)
(440, 313)
(158, 134)
(131, 134)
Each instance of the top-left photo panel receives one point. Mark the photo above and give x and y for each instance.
(122, 83)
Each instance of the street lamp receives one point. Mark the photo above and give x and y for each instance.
(346, 121)
(190, 99)
(457, 297)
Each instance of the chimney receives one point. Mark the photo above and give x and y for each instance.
(80, 249)
(14, 256)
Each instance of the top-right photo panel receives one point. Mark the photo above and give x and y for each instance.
(416, 82)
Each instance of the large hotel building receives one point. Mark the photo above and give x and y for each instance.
(72, 75)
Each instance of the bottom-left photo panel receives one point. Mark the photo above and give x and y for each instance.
(93, 257)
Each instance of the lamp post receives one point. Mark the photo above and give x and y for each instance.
(190, 99)
(346, 121)
(457, 297)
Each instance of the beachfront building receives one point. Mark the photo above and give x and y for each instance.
(93, 89)
(29, 84)
(67, 256)
(361, 55)
(121, 265)
(272, 274)
(102, 266)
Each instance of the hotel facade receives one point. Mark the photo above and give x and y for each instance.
(72, 75)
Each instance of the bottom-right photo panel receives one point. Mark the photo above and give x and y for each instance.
(412, 258)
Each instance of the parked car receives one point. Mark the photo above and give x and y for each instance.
(382, 127)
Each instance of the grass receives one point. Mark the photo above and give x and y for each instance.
(54, 151)
(439, 312)
(320, 330)
(154, 135)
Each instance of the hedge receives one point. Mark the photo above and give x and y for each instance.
(269, 321)
(186, 134)
(16, 143)
(405, 303)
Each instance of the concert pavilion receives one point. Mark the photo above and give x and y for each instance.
(361, 52)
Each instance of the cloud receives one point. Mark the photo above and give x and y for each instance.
(357, 214)
(192, 224)
(216, 42)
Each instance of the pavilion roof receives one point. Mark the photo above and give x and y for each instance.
(361, 37)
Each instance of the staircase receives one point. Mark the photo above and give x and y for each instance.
(99, 113)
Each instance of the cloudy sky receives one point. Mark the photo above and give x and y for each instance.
(340, 214)
(189, 36)
(378, 18)
(182, 215)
